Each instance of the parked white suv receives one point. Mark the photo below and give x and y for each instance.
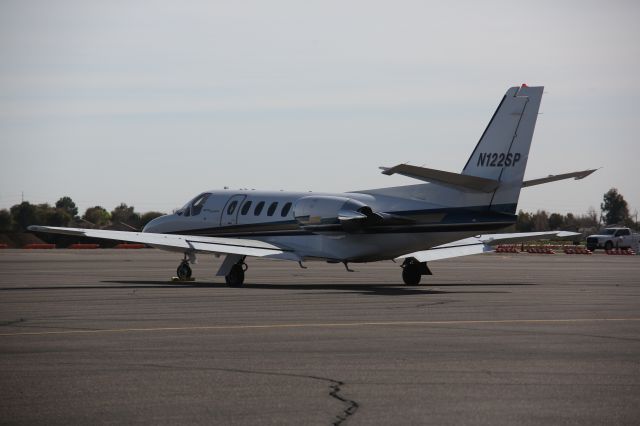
(612, 238)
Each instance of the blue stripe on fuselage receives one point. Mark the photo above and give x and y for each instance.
(453, 219)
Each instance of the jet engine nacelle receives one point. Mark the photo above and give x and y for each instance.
(321, 213)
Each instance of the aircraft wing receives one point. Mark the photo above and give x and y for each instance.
(182, 243)
(481, 244)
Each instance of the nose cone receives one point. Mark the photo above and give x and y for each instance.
(158, 225)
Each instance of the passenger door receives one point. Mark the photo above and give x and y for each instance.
(624, 238)
(231, 209)
(212, 211)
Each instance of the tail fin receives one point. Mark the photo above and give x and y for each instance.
(503, 150)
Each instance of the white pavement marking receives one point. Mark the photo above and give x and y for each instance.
(321, 325)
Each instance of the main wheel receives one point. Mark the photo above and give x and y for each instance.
(184, 271)
(411, 274)
(236, 276)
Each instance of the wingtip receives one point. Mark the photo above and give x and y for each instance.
(386, 170)
(587, 173)
(565, 234)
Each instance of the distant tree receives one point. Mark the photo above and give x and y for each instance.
(590, 220)
(556, 221)
(25, 214)
(125, 214)
(614, 208)
(634, 222)
(524, 222)
(571, 222)
(54, 217)
(67, 204)
(148, 217)
(6, 221)
(97, 215)
(540, 221)
(50, 216)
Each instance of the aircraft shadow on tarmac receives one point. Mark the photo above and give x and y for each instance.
(384, 289)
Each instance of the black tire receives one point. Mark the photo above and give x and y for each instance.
(184, 271)
(608, 245)
(235, 278)
(411, 275)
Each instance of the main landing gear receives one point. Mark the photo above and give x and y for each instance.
(235, 277)
(412, 271)
(184, 271)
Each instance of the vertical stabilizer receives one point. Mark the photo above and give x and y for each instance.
(503, 150)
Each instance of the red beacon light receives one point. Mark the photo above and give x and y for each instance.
(524, 85)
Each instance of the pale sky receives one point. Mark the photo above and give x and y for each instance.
(152, 102)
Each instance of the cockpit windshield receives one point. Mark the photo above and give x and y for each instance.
(194, 207)
(198, 203)
(609, 231)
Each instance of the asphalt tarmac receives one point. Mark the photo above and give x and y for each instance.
(102, 336)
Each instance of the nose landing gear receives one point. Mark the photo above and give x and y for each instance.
(183, 271)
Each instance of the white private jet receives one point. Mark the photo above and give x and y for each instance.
(438, 219)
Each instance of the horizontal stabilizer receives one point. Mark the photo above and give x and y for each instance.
(552, 178)
(465, 182)
(482, 244)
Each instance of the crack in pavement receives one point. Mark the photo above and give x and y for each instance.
(352, 406)
(335, 386)
(423, 305)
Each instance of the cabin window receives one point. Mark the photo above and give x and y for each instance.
(272, 208)
(245, 208)
(259, 208)
(285, 210)
(232, 207)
